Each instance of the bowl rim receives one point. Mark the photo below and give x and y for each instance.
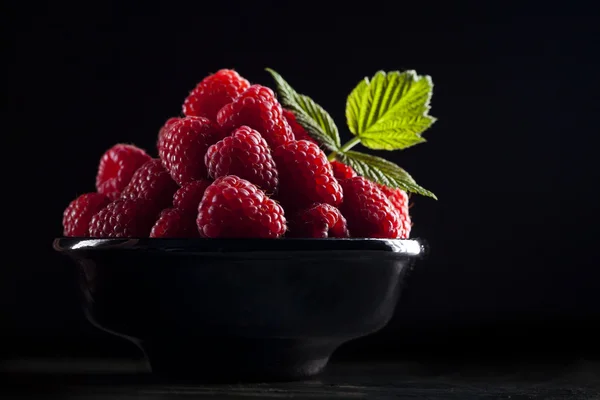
(414, 247)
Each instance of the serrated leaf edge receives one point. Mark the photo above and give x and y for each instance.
(365, 83)
(379, 176)
(290, 98)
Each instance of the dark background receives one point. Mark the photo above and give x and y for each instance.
(511, 158)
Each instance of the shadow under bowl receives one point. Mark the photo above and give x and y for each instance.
(240, 309)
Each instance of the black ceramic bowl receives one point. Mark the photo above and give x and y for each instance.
(241, 308)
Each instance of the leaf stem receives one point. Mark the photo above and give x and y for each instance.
(347, 146)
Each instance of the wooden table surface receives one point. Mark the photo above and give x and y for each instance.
(119, 379)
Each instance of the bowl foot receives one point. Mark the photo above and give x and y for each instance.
(238, 359)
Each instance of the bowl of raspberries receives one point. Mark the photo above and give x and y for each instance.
(240, 248)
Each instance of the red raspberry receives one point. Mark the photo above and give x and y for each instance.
(258, 108)
(174, 223)
(124, 218)
(116, 168)
(232, 207)
(79, 213)
(305, 176)
(342, 171)
(183, 146)
(188, 197)
(152, 182)
(299, 132)
(166, 126)
(213, 92)
(399, 199)
(368, 211)
(245, 154)
(318, 221)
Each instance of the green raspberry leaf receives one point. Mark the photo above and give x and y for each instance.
(390, 111)
(309, 114)
(382, 171)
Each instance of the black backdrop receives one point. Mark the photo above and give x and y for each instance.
(511, 157)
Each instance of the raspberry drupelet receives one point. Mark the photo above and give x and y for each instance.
(245, 154)
(79, 213)
(368, 211)
(183, 146)
(232, 207)
(117, 166)
(188, 197)
(124, 218)
(214, 92)
(174, 223)
(305, 176)
(257, 108)
(153, 183)
(318, 221)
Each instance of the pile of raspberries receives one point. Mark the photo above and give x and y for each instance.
(235, 165)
